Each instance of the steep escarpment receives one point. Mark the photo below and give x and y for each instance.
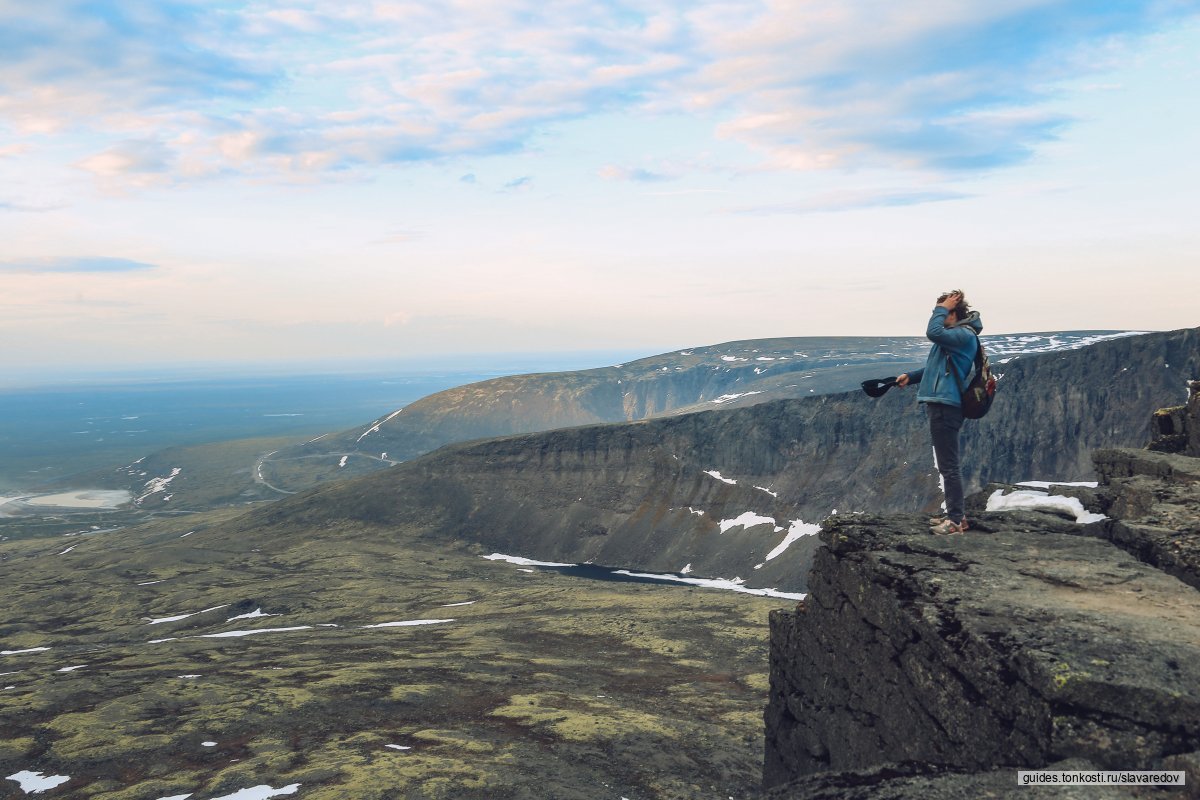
(937, 664)
(665, 493)
(719, 376)
(730, 375)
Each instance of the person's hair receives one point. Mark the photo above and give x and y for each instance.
(963, 309)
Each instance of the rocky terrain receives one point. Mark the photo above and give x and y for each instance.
(936, 666)
(665, 493)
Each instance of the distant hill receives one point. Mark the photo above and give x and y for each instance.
(730, 375)
(721, 490)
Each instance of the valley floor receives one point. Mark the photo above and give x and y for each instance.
(179, 660)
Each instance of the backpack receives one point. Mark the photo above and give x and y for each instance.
(977, 396)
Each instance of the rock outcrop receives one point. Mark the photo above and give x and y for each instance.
(1172, 431)
(930, 666)
(1153, 500)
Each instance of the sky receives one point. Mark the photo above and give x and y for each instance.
(285, 182)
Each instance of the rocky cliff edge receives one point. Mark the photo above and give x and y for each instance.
(938, 666)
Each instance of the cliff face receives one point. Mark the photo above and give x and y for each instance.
(727, 375)
(731, 375)
(1030, 640)
(641, 494)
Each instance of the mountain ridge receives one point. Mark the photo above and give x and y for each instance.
(727, 375)
(627, 493)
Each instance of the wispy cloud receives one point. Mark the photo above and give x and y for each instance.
(83, 264)
(28, 208)
(68, 61)
(135, 163)
(519, 184)
(853, 201)
(944, 86)
(186, 90)
(636, 174)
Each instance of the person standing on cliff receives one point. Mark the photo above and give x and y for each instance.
(954, 330)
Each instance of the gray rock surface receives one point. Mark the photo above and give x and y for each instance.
(1154, 499)
(923, 666)
(1019, 646)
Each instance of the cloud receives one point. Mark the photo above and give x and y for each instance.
(75, 264)
(28, 208)
(129, 158)
(67, 62)
(635, 174)
(854, 201)
(186, 90)
(519, 184)
(943, 86)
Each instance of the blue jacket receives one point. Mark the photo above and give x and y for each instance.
(938, 385)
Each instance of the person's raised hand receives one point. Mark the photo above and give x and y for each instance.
(951, 301)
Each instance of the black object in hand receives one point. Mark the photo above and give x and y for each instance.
(877, 387)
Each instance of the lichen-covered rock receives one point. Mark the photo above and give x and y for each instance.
(1189, 764)
(919, 663)
(1154, 499)
(1169, 426)
(1009, 645)
(1177, 429)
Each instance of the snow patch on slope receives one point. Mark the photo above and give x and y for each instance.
(375, 428)
(1022, 499)
(156, 485)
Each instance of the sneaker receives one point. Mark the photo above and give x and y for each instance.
(947, 527)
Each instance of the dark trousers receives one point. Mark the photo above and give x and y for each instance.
(944, 424)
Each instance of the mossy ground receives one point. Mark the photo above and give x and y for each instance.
(545, 686)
